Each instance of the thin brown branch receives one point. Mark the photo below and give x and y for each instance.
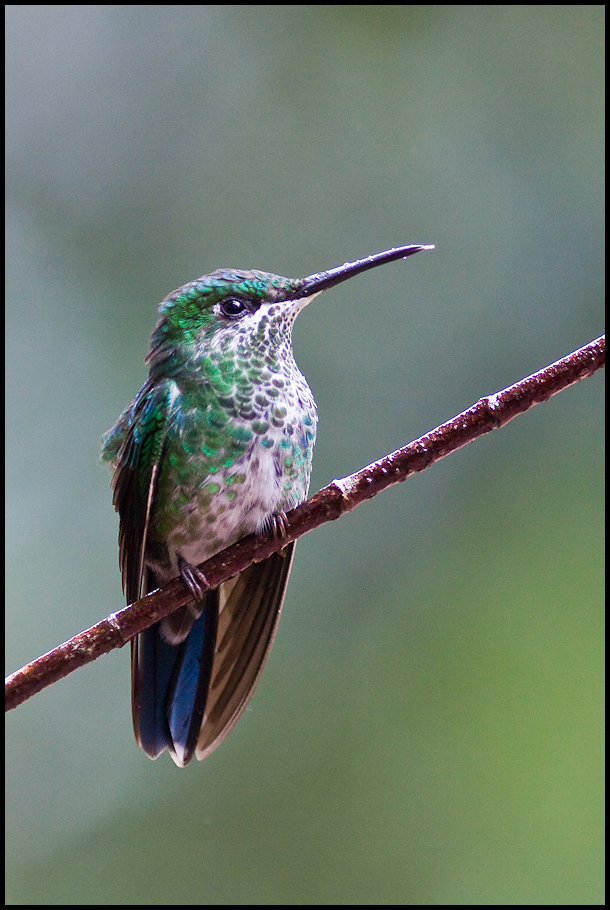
(330, 503)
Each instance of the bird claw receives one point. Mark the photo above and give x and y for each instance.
(193, 578)
(278, 525)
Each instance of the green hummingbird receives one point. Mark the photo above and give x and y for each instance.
(216, 445)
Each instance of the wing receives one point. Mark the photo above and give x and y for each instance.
(143, 429)
(249, 611)
(137, 445)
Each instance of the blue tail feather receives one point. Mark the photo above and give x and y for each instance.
(170, 686)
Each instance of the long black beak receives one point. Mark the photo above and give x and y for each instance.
(313, 284)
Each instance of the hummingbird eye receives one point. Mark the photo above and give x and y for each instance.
(233, 307)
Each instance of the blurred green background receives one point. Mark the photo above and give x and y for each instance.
(429, 726)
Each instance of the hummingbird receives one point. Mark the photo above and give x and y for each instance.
(216, 445)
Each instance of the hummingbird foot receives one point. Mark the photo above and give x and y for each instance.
(193, 578)
(278, 525)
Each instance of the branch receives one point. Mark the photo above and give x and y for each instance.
(331, 502)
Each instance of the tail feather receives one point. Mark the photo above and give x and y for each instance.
(186, 697)
(170, 685)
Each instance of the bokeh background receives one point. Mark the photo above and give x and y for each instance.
(428, 727)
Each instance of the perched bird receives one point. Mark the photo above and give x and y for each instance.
(216, 445)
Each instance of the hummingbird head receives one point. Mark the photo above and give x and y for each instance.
(236, 311)
(227, 310)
